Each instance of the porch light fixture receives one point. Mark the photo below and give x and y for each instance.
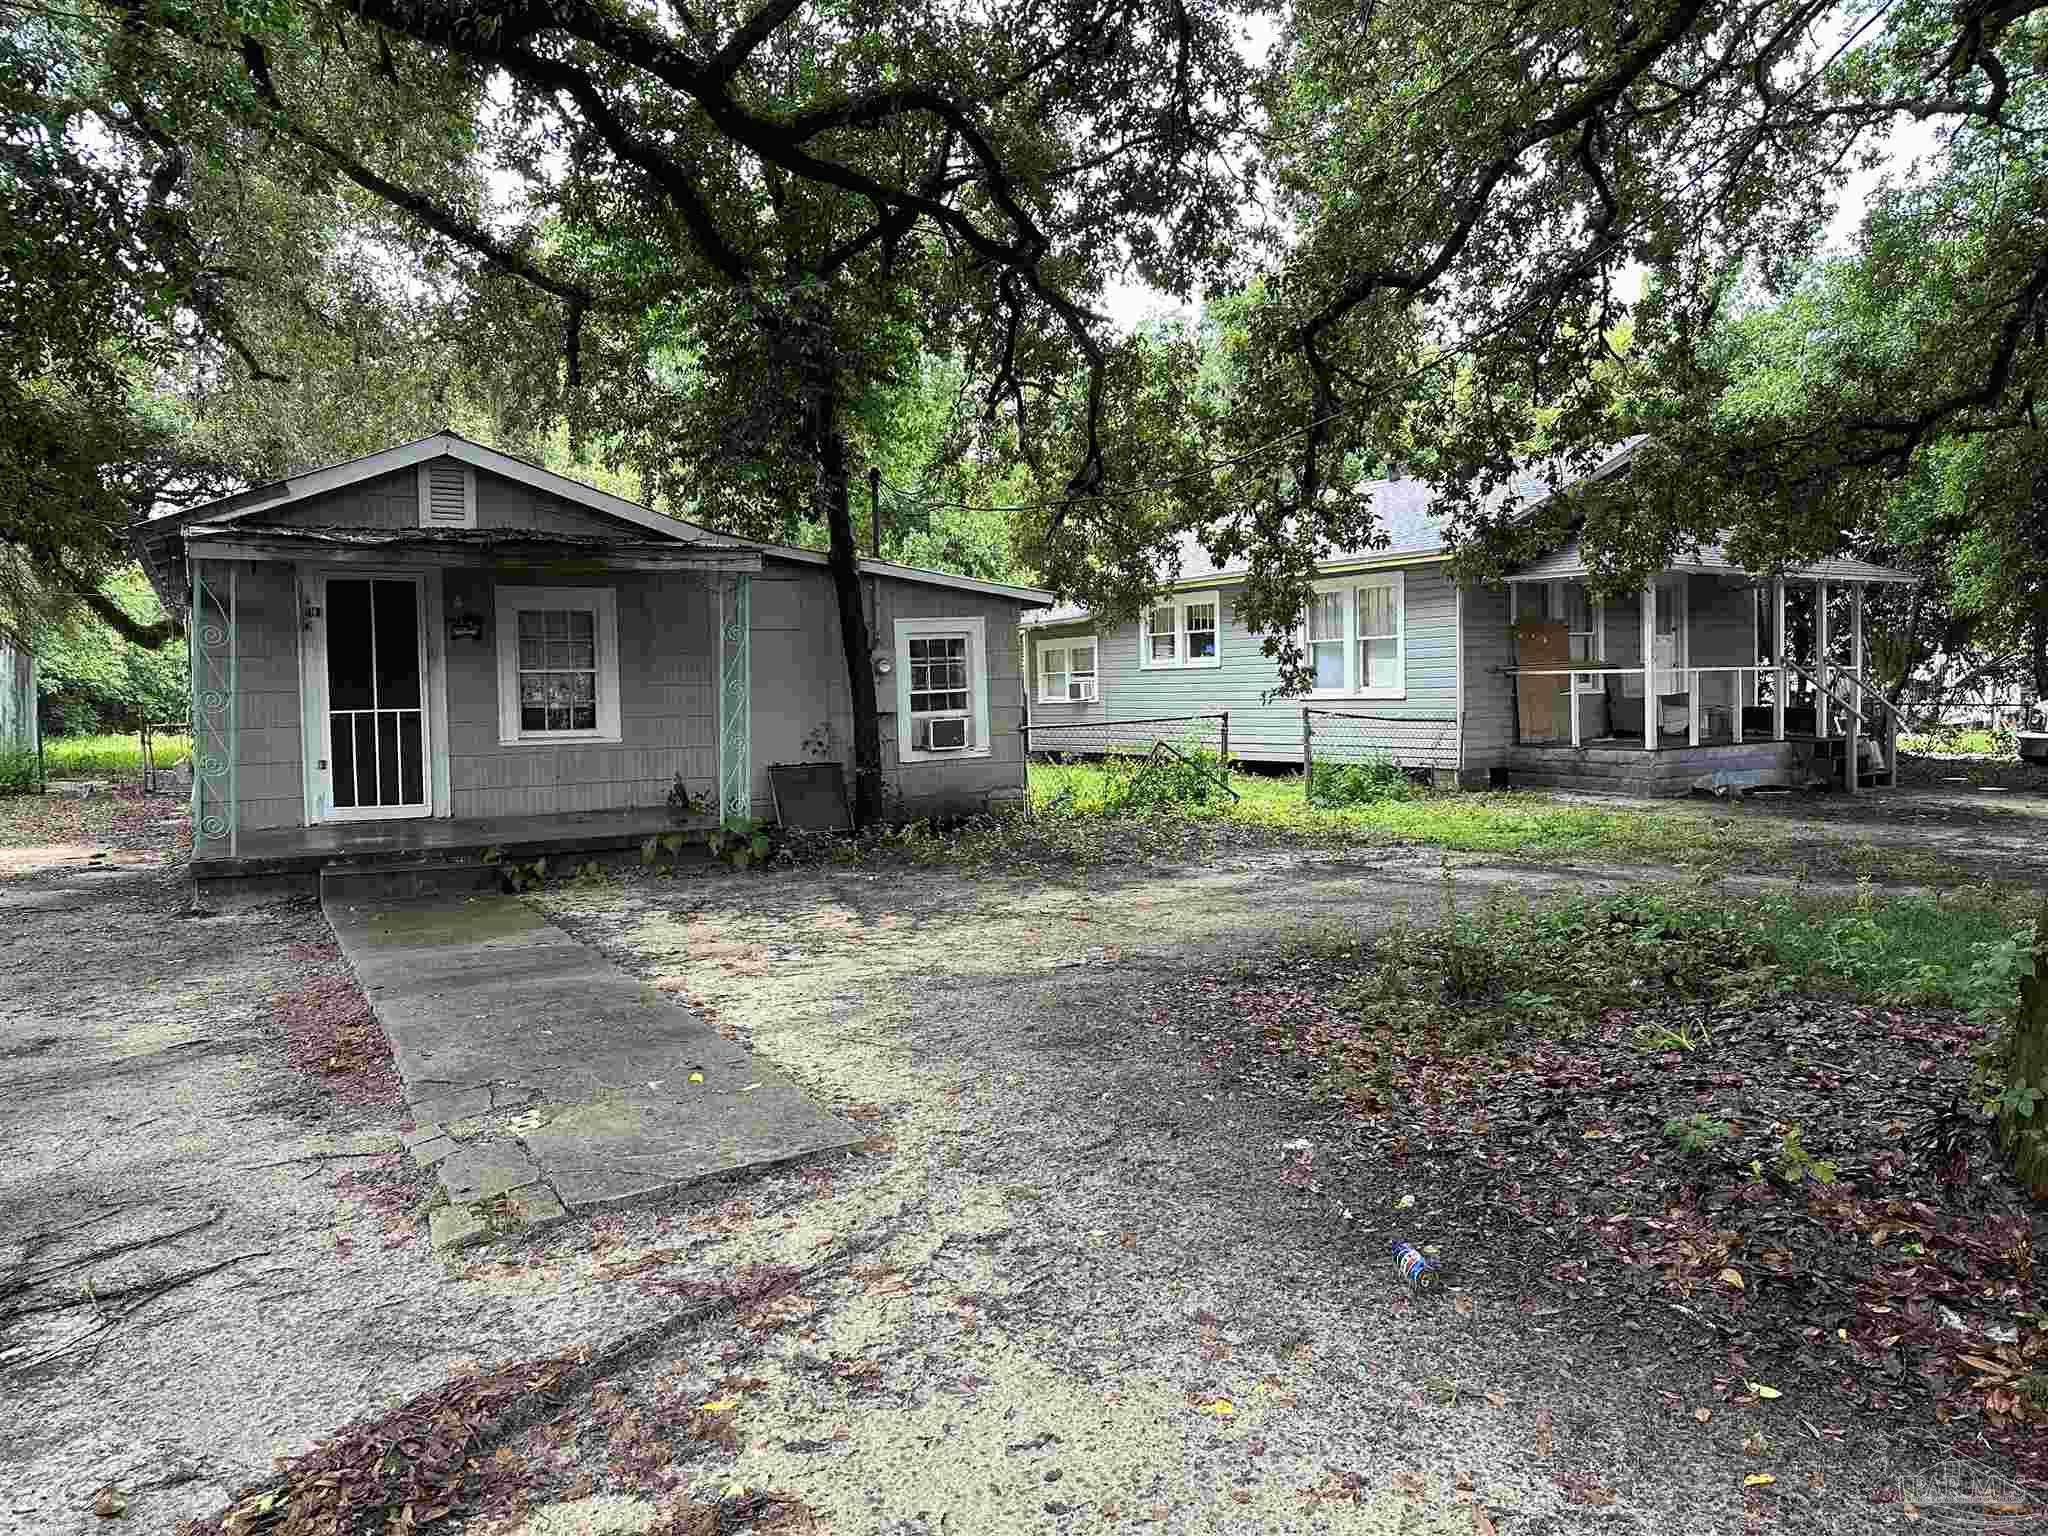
(464, 625)
(884, 662)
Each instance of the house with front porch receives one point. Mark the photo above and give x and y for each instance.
(1710, 676)
(408, 659)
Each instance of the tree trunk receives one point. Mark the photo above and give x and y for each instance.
(2026, 1063)
(828, 447)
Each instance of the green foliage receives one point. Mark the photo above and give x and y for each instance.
(110, 757)
(1697, 1134)
(94, 680)
(1190, 776)
(17, 771)
(1552, 964)
(1341, 784)
(1795, 1163)
(516, 876)
(743, 843)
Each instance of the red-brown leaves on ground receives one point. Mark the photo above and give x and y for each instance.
(332, 1037)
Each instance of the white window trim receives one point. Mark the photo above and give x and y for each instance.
(1349, 586)
(468, 472)
(1596, 613)
(604, 603)
(977, 685)
(1180, 602)
(1067, 643)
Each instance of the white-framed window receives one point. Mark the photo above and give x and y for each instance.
(1355, 636)
(941, 689)
(1186, 632)
(1586, 624)
(558, 664)
(1066, 672)
(447, 494)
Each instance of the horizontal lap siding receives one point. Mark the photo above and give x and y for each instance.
(1272, 730)
(802, 703)
(1489, 693)
(269, 761)
(666, 723)
(968, 783)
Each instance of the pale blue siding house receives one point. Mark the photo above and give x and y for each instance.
(1529, 682)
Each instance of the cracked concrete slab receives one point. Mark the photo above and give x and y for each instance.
(540, 1072)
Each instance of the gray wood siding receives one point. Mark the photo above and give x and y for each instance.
(1260, 730)
(269, 762)
(800, 685)
(666, 707)
(393, 501)
(1489, 691)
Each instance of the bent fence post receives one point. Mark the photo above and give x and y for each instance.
(1308, 759)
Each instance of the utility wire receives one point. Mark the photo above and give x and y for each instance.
(1451, 354)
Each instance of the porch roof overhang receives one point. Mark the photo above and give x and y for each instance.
(474, 548)
(1569, 564)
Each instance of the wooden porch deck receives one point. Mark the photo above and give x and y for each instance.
(389, 845)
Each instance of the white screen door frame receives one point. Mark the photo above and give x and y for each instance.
(383, 785)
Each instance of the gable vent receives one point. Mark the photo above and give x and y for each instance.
(447, 495)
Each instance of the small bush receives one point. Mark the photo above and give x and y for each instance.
(1696, 1134)
(1342, 784)
(1190, 775)
(17, 771)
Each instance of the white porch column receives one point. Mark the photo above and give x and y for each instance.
(1820, 659)
(1778, 658)
(1649, 666)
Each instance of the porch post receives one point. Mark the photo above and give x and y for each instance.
(735, 700)
(1692, 699)
(1820, 660)
(215, 684)
(1860, 693)
(1649, 666)
(1778, 658)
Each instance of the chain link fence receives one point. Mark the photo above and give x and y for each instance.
(1405, 741)
(1130, 738)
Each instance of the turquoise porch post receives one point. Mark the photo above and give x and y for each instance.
(215, 684)
(735, 699)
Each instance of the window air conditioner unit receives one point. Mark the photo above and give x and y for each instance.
(948, 736)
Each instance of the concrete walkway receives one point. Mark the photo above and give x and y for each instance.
(543, 1079)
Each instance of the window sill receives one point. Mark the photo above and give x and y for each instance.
(910, 756)
(1207, 664)
(560, 739)
(1340, 694)
(1070, 703)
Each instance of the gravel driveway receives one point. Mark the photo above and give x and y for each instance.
(1062, 1288)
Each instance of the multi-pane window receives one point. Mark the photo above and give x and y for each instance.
(1582, 622)
(1183, 633)
(1353, 637)
(1066, 673)
(941, 688)
(557, 669)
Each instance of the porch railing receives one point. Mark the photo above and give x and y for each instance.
(1745, 682)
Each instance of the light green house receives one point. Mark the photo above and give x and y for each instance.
(1534, 681)
(18, 725)
(438, 649)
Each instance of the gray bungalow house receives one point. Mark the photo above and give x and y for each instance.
(1699, 678)
(438, 649)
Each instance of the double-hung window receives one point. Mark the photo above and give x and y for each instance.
(1066, 673)
(1583, 623)
(558, 664)
(1355, 637)
(1186, 632)
(941, 689)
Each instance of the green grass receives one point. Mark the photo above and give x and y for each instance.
(1953, 742)
(109, 757)
(1477, 973)
(1464, 822)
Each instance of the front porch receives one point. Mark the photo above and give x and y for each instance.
(443, 853)
(1708, 676)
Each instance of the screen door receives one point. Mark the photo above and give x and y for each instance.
(376, 723)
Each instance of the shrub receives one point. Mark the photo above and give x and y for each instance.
(1187, 775)
(1696, 1134)
(17, 771)
(1341, 784)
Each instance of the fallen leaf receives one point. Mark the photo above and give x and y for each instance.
(721, 1405)
(1498, 1399)
(1732, 1277)
(1764, 1392)
(1758, 1480)
(1404, 1203)
(1703, 1414)
(1481, 1525)
(750, 1088)
(696, 1077)
(1222, 1408)
(1462, 1306)
(109, 1505)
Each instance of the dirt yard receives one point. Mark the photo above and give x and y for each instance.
(1069, 1284)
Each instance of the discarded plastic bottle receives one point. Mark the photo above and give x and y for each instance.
(1417, 1269)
